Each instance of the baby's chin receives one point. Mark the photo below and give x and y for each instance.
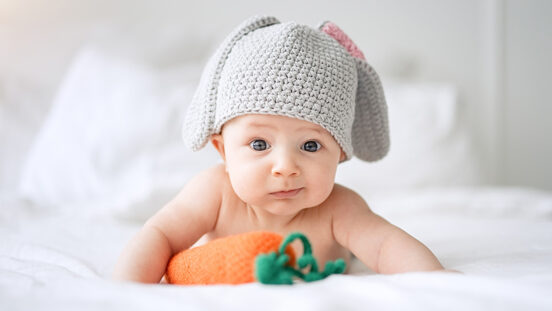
(287, 207)
(284, 207)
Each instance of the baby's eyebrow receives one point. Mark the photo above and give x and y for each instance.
(302, 128)
(319, 131)
(255, 124)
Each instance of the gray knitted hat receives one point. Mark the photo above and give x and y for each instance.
(318, 75)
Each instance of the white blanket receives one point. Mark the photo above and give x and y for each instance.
(501, 239)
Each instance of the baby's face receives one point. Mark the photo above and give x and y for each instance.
(279, 163)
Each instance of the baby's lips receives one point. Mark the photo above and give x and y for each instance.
(286, 194)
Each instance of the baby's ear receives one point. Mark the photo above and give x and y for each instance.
(342, 157)
(218, 143)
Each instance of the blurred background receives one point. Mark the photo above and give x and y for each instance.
(489, 61)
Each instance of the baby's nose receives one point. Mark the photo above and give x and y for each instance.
(285, 164)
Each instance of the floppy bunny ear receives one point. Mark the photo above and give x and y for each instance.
(370, 133)
(200, 117)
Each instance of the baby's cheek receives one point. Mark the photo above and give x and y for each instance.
(322, 185)
(245, 186)
(323, 193)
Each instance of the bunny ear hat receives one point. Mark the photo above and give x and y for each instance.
(314, 74)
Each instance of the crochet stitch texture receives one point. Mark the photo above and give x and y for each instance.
(314, 74)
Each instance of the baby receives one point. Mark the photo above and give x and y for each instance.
(283, 104)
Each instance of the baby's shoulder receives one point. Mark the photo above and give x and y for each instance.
(211, 180)
(343, 196)
(345, 201)
(213, 175)
(217, 170)
(348, 211)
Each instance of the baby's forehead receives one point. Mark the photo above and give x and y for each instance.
(274, 122)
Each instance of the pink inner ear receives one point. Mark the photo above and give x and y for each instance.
(338, 34)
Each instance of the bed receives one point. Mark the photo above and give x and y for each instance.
(79, 179)
(498, 238)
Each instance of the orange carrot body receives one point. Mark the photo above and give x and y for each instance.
(228, 260)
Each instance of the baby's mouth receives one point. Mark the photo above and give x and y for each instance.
(286, 194)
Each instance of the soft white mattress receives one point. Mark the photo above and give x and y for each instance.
(500, 238)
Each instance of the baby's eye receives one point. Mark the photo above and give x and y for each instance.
(311, 146)
(259, 145)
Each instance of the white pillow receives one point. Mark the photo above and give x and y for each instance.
(22, 109)
(429, 144)
(111, 143)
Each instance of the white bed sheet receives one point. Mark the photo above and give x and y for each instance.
(500, 238)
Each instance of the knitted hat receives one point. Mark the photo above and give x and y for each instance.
(314, 74)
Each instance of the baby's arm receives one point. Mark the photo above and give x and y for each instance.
(380, 245)
(177, 226)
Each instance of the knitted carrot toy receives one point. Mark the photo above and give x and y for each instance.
(247, 257)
